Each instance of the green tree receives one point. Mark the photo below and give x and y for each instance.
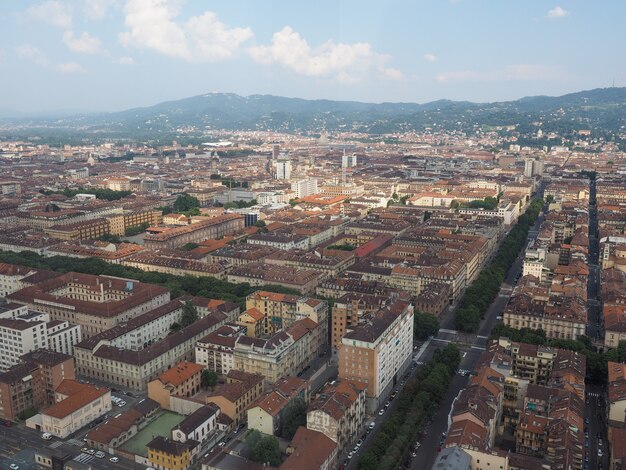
(267, 451)
(190, 314)
(293, 417)
(252, 438)
(184, 202)
(208, 378)
(260, 223)
(425, 325)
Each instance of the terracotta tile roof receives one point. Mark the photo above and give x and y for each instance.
(180, 373)
(311, 449)
(254, 313)
(78, 396)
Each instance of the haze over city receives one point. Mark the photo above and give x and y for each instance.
(105, 55)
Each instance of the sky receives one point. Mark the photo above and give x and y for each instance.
(108, 55)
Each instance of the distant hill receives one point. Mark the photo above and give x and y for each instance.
(602, 108)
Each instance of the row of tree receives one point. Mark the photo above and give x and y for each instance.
(178, 285)
(482, 292)
(100, 193)
(417, 402)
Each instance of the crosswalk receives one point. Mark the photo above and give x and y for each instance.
(76, 442)
(56, 444)
(83, 458)
(593, 394)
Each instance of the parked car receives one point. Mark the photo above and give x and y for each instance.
(359, 443)
(372, 425)
(114, 459)
(351, 454)
(100, 454)
(381, 412)
(14, 466)
(47, 436)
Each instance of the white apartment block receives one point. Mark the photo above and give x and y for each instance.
(31, 331)
(535, 263)
(304, 188)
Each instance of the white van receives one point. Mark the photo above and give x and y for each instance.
(47, 436)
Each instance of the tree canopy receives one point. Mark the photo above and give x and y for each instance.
(190, 314)
(425, 325)
(184, 203)
(293, 417)
(208, 378)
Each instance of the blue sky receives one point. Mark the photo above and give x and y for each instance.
(116, 54)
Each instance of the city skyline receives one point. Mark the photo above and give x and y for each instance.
(107, 55)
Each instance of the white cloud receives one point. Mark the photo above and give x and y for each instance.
(344, 62)
(97, 9)
(125, 61)
(53, 12)
(557, 12)
(201, 38)
(70, 67)
(514, 72)
(30, 52)
(393, 74)
(83, 44)
(430, 57)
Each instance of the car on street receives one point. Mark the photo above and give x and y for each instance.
(91, 451)
(350, 455)
(46, 436)
(359, 443)
(14, 466)
(600, 453)
(221, 444)
(100, 454)
(586, 420)
(114, 459)
(381, 412)
(84, 449)
(372, 425)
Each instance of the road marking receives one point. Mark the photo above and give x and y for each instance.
(482, 337)
(442, 340)
(447, 331)
(482, 348)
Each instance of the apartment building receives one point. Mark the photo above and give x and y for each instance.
(234, 396)
(216, 350)
(378, 351)
(77, 404)
(96, 303)
(183, 379)
(280, 311)
(84, 230)
(339, 411)
(617, 394)
(286, 352)
(135, 368)
(215, 227)
(167, 454)
(259, 274)
(10, 277)
(311, 450)
(350, 310)
(265, 414)
(32, 332)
